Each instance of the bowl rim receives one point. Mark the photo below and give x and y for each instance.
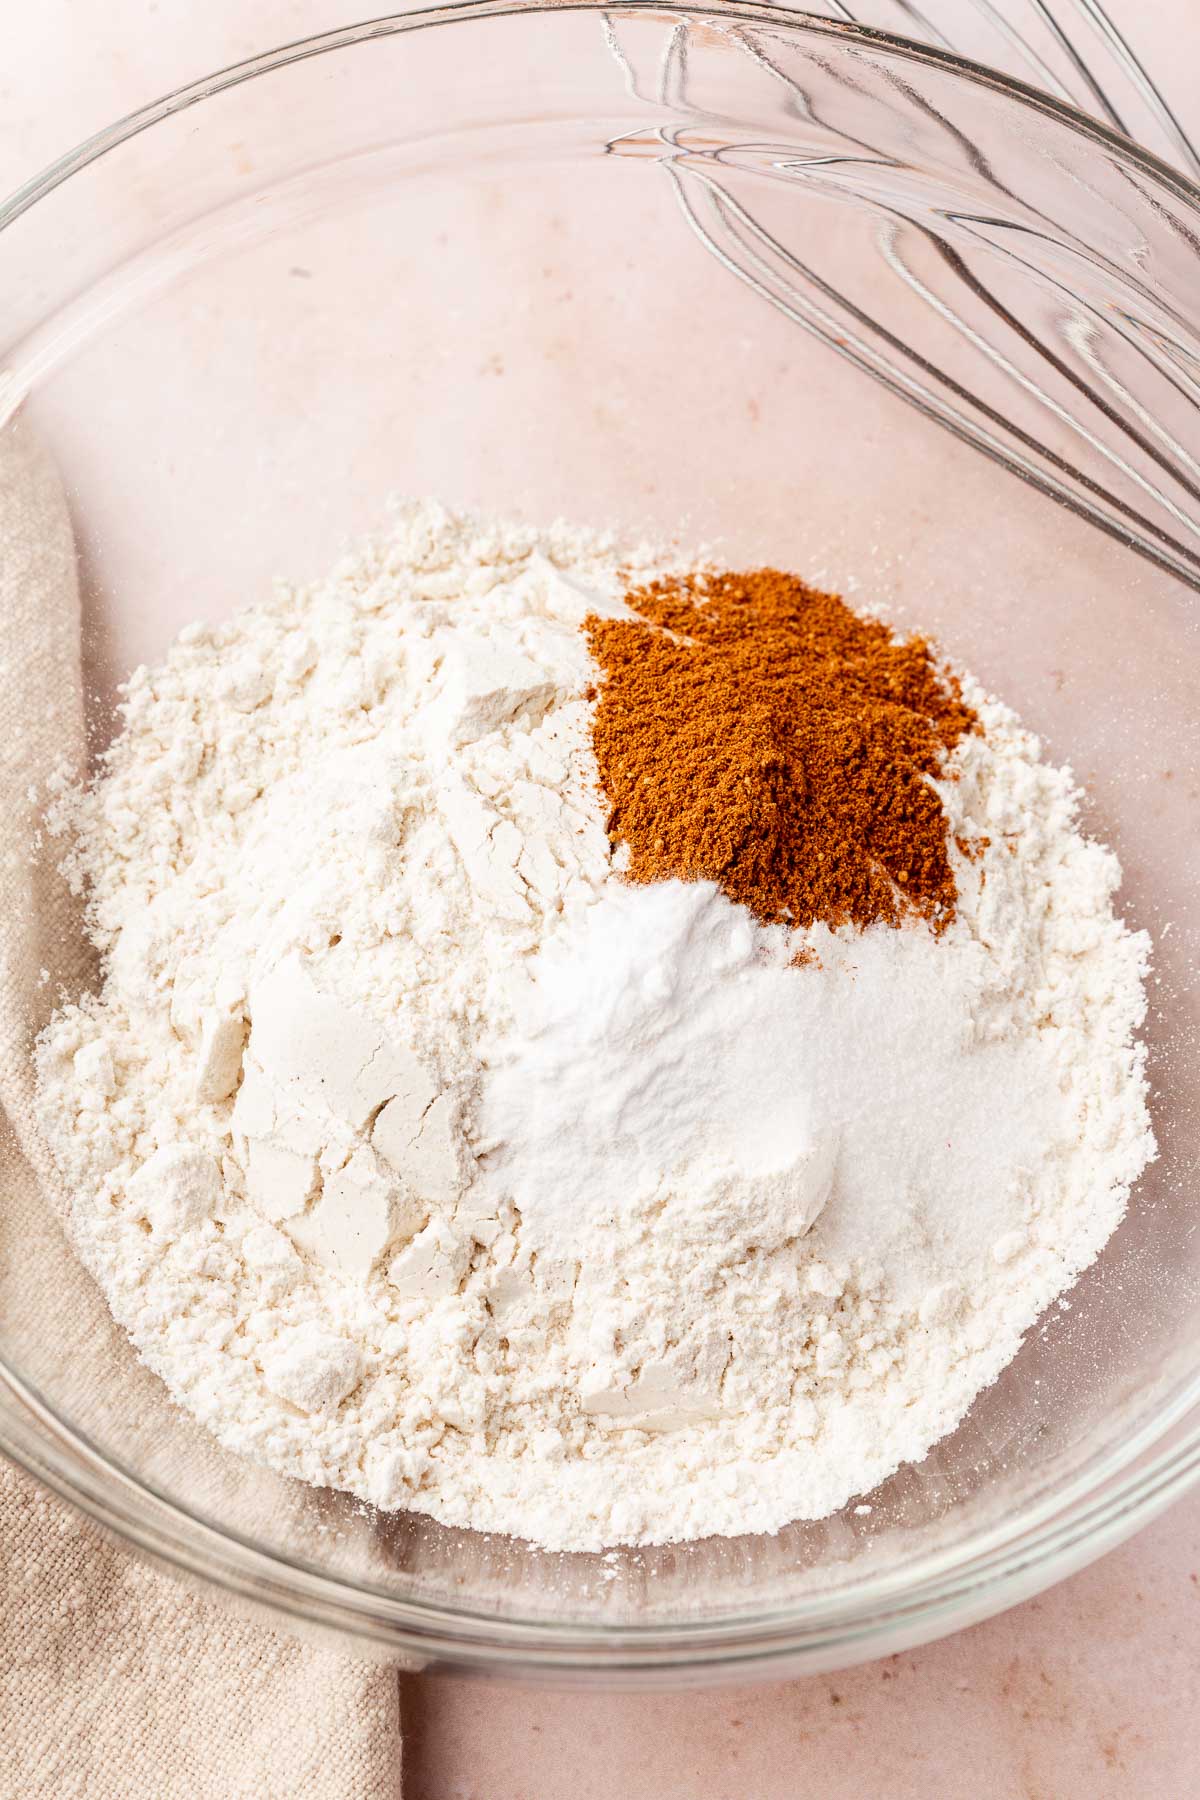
(458, 12)
(1007, 1562)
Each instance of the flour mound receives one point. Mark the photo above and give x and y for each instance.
(423, 1157)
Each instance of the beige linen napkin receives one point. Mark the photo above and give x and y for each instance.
(116, 1682)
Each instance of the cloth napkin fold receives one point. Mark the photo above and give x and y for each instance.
(116, 1681)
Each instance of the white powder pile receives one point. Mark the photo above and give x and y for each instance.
(423, 1156)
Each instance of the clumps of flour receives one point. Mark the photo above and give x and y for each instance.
(424, 1157)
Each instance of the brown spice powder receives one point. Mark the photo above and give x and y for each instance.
(753, 731)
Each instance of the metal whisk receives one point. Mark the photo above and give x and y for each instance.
(1039, 306)
(1070, 48)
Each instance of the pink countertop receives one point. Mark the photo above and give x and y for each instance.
(1089, 1690)
(1087, 1693)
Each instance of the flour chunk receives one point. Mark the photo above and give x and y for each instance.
(484, 685)
(176, 1189)
(94, 1070)
(322, 1053)
(280, 1181)
(434, 1263)
(421, 1146)
(362, 1210)
(219, 1055)
(315, 1372)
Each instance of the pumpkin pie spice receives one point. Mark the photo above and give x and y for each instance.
(757, 732)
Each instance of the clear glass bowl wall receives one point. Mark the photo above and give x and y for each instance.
(629, 268)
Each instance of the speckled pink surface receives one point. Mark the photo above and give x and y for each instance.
(1090, 1690)
(1086, 1693)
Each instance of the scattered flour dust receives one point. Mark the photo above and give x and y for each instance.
(422, 1156)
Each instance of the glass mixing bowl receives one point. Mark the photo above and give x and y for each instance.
(813, 296)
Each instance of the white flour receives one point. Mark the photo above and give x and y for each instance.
(423, 1157)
